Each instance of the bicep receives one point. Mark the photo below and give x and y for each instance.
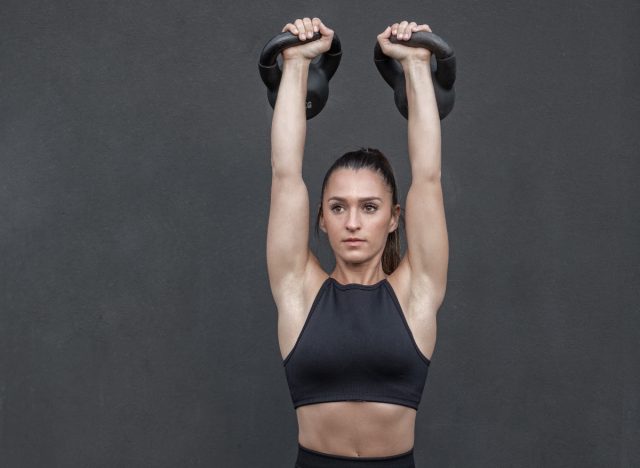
(288, 228)
(427, 239)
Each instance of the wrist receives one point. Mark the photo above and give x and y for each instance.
(412, 62)
(296, 62)
(416, 68)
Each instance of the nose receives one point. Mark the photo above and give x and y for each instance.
(353, 221)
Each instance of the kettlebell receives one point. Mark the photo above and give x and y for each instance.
(443, 71)
(319, 73)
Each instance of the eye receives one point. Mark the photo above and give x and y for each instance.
(369, 207)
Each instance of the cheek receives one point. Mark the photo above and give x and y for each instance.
(383, 228)
(381, 224)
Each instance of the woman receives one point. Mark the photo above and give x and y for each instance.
(356, 344)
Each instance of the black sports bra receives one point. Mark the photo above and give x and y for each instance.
(356, 345)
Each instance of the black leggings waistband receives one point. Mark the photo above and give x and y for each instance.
(308, 458)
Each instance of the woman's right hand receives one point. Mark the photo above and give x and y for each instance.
(304, 29)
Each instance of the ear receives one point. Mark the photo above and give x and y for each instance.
(321, 223)
(395, 219)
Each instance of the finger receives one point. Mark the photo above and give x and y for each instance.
(412, 27)
(300, 27)
(292, 28)
(407, 30)
(316, 24)
(401, 29)
(308, 27)
(394, 29)
(325, 30)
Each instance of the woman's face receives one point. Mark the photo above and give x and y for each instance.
(357, 203)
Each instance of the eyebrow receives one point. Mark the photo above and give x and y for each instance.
(360, 199)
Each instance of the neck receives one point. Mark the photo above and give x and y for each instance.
(370, 276)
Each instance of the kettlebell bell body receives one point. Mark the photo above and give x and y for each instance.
(442, 68)
(320, 72)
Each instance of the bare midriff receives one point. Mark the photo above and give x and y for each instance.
(356, 428)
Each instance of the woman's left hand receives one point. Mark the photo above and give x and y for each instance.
(400, 52)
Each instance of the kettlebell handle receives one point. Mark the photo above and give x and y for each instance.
(319, 73)
(444, 72)
(270, 71)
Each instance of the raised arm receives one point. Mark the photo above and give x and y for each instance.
(427, 240)
(288, 228)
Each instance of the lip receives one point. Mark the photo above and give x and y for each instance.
(353, 241)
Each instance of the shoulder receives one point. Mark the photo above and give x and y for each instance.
(295, 295)
(414, 292)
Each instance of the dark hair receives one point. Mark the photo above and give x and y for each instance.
(373, 159)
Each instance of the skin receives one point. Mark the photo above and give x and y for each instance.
(370, 220)
(350, 428)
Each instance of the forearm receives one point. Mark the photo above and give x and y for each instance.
(424, 120)
(289, 124)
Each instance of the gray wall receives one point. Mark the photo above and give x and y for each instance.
(137, 327)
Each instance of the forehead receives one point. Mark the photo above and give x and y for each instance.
(349, 182)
